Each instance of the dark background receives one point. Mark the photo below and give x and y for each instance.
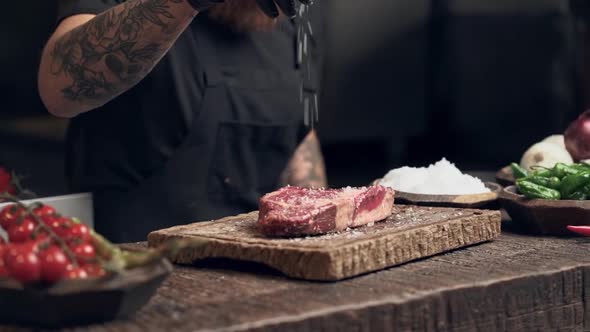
(406, 82)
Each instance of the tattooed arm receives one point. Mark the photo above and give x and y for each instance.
(90, 59)
(306, 168)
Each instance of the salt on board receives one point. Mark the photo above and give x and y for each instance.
(441, 178)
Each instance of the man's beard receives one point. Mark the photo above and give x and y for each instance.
(242, 15)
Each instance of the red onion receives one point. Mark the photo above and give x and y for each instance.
(577, 137)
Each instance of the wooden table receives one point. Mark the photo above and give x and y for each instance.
(517, 282)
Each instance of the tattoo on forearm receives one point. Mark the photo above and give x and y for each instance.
(110, 53)
(306, 168)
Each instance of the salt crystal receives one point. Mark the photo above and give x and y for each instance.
(441, 178)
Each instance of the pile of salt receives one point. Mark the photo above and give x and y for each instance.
(442, 178)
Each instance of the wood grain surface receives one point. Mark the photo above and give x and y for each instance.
(411, 232)
(515, 283)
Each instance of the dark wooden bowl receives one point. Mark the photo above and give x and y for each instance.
(82, 302)
(471, 201)
(504, 176)
(540, 216)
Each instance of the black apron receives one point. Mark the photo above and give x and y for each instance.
(247, 126)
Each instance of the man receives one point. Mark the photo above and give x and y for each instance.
(182, 110)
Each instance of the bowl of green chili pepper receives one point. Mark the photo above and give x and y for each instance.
(547, 200)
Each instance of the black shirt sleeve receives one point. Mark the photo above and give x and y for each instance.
(67, 8)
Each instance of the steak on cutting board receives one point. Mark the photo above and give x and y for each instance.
(294, 211)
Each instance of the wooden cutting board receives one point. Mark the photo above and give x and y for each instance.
(410, 233)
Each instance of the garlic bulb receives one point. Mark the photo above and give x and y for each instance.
(545, 154)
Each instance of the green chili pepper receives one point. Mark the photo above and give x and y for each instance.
(562, 170)
(573, 183)
(578, 196)
(518, 172)
(532, 190)
(581, 167)
(550, 182)
(544, 172)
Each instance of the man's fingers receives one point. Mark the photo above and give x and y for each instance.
(268, 7)
(287, 6)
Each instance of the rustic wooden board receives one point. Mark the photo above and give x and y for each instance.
(411, 232)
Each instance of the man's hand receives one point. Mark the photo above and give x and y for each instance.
(269, 7)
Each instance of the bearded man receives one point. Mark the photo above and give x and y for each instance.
(181, 110)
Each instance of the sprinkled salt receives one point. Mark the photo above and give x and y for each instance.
(442, 178)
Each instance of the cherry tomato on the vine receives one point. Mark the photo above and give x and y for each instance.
(42, 236)
(10, 214)
(61, 226)
(76, 273)
(84, 252)
(21, 232)
(78, 233)
(54, 264)
(22, 262)
(45, 210)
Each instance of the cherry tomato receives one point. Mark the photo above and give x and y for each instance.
(78, 233)
(22, 262)
(48, 219)
(21, 232)
(32, 246)
(3, 270)
(44, 211)
(10, 214)
(76, 273)
(61, 226)
(6, 185)
(2, 241)
(84, 252)
(94, 270)
(54, 264)
(40, 241)
(42, 236)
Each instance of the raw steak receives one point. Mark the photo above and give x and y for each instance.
(293, 211)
